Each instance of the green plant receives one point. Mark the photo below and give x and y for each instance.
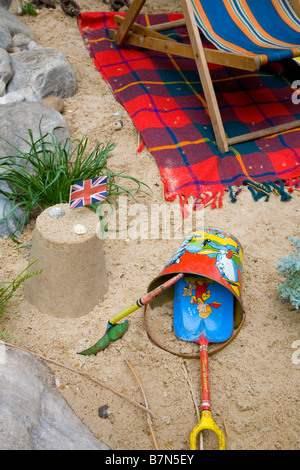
(27, 8)
(8, 292)
(42, 176)
(290, 268)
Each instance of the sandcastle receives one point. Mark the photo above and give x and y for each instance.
(67, 248)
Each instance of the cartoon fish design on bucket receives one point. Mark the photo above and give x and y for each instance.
(211, 254)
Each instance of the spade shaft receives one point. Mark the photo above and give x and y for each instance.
(146, 299)
(115, 331)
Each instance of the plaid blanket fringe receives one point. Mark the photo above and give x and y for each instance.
(164, 98)
(258, 191)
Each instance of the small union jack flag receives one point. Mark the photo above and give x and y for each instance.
(87, 192)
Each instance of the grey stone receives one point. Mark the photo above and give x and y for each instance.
(103, 411)
(41, 73)
(21, 40)
(5, 4)
(34, 414)
(13, 24)
(5, 37)
(6, 71)
(11, 223)
(10, 97)
(2, 88)
(33, 45)
(17, 118)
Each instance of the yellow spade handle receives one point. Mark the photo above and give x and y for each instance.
(123, 313)
(206, 422)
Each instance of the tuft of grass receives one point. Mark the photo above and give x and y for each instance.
(42, 176)
(8, 296)
(28, 8)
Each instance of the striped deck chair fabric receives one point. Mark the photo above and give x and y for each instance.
(269, 29)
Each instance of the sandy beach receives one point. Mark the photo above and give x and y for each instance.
(254, 381)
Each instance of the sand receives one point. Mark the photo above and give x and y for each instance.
(254, 381)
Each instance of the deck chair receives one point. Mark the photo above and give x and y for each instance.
(247, 34)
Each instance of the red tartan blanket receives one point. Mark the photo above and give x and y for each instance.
(164, 98)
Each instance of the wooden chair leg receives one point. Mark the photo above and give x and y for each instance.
(296, 6)
(130, 18)
(208, 88)
(144, 31)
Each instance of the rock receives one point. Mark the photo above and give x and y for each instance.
(118, 124)
(32, 45)
(34, 414)
(5, 37)
(13, 24)
(17, 118)
(5, 4)
(21, 41)
(13, 49)
(11, 223)
(103, 411)
(41, 73)
(11, 97)
(6, 71)
(79, 229)
(56, 212)
(2, 88)
(54, 102)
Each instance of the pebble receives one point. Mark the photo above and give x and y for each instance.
(118, 124)
(79, 229)
(56, 212)
(54, 102)
(103, 411)
(21, 41)
(33, 45)
(57, 382)
(13, 49)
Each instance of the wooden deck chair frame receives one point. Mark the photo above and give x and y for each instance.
(151, 38)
